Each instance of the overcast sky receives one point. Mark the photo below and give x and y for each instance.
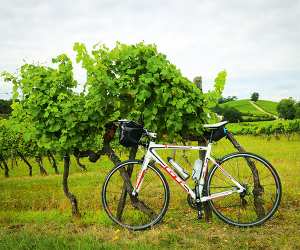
(256, 41)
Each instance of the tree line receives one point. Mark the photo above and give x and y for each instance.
(287, 109)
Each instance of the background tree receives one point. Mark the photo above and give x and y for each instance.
(286, 108)
(230, 114)
(227, 99)
(254, 97)
(198, 81)
(297, 110)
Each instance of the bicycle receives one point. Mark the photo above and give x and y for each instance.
(242, 189)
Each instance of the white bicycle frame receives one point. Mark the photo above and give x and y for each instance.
(153, 155)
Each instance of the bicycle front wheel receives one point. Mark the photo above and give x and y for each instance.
(262, 194)
(135, 212)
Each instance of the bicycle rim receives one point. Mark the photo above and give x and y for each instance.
(122, 208)
(258, 202)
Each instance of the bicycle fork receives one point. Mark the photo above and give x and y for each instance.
(141, 175)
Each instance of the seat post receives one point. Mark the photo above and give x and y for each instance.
(211, 136)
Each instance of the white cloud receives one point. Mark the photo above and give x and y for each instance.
(257, 42)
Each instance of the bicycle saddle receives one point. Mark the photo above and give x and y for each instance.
(215, 125)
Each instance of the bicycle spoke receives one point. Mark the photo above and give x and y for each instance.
(135, 212)
(263, 178)
(225, 180)
(222, 186)
(261, 191)
(238, 171)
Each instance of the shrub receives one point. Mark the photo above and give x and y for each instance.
(287, 108)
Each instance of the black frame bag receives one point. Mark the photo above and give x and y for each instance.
(130, 134)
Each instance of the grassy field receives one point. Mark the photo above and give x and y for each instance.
(268, 106)
(244, 106)
(34, 213)
(249, 111)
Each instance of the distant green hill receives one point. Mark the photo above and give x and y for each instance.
(268, 106)
(254, 111)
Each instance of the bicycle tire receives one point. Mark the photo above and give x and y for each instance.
(264, 207)
(154, 193)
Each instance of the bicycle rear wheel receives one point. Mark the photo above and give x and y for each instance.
(135, 212)
(258, 202)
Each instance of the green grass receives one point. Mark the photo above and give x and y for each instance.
(245, 107)
(268, 106)
(34, 213)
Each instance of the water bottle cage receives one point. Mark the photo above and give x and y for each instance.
(197, 170)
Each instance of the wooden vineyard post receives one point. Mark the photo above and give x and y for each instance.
(207, 210)
(198, 81)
